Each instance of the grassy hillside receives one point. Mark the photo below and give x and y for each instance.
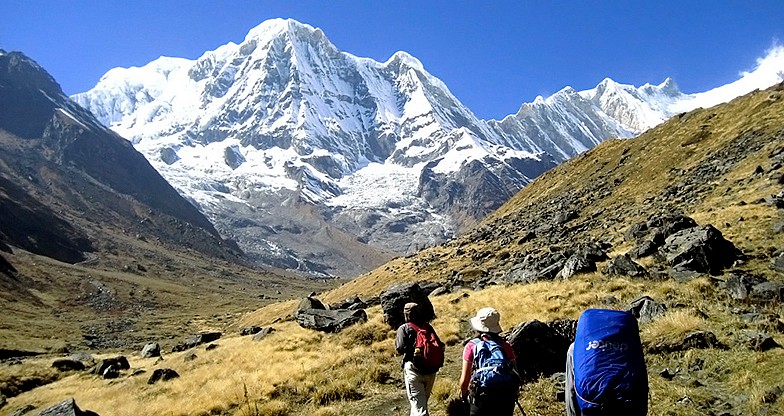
(715, 165)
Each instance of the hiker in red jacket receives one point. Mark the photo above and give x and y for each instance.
(419, 376)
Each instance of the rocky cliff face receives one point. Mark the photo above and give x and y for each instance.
(64, 177)
(285, 141)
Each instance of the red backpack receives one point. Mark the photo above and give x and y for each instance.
(428, 350)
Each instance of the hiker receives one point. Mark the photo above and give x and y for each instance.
(489, 380)
(605, 366)
(423, 355)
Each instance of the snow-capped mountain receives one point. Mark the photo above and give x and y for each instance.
(319, 160)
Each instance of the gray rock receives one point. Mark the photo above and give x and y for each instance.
(644, 249)
(197, 340)
(162, 374)
(68, 364)
(769, 291)
(761, 342)
(329, 321)
(778, 263)
(190, 357)
(624, 266)
(394, 298)
(699, 249)
(23, 410)
(66, 408)
(263, 333)
(548, 342)
(645, 309)
(152, 349)
(120, 363)
(740, 285)
(693, 340)
(310, 303)
(250, 330)
(575, 265)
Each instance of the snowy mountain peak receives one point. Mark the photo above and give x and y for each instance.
(285, 129)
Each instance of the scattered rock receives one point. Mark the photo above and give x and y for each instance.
(768, 292)
(667, 374)
(211, 347)
(575, 265)
(394, 298)
(66, 408)
(119, 363)
(350, 303)
(68, 364)
(250, 330)
(189, 357)
(761, 342)
(197, 340)
(310, 303)
(696, 365)
(693, 340)
(624, 266)
(778, 263)
(644, 249)
(111, 372)
(263, 333)
(699, 249)
(772, 395)
(548, 342)
(23, 410)
(329, 321)
(645, 309)
(740, 285)
(152, 349)
(162, 374)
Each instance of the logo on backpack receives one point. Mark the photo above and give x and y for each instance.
(428, 350)
(492, 369)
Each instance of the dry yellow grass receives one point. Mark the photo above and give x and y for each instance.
(300, 372)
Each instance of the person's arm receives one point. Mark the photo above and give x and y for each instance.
(400, 339)
(465, 373)
(465, 379)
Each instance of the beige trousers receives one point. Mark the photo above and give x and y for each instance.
(418, 388)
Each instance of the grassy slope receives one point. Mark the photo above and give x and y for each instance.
(295, 371)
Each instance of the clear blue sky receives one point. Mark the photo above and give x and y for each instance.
(493, 55)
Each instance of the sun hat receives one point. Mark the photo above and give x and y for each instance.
(487, 320)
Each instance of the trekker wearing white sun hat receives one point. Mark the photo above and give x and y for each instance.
(489, 380)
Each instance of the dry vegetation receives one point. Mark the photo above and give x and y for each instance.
(299, 372)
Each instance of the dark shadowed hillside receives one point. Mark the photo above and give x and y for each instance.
(91, 232)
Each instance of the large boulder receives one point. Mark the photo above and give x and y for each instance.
(330, 321)
(110, 366)
(541, 347)
(645, 309)
(623, 265)
(162, 374)
(152, 349)
(66, 408)
(699, 249)
(770, 291)
(575, 265)
(394, 298)
(197, 340)
(68, 364)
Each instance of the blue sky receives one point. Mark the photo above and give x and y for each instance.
(493, 55)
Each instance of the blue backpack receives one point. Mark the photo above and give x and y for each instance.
(610, 376)
(493, 372)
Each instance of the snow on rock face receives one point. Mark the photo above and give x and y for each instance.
(383, 150)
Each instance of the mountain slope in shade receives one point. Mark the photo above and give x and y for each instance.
(65, 179)
(382, 152)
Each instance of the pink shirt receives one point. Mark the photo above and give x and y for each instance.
(468, 351)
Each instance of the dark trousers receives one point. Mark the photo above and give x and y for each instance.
(493, 405)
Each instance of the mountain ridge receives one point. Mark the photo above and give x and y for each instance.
(286, 116)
